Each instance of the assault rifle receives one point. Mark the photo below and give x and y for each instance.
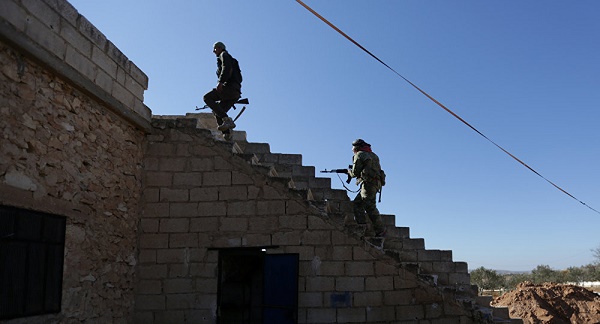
(243, 101)
(340, 171)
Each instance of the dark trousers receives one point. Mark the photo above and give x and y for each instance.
(221, 101)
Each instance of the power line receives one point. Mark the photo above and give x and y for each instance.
(439, 103)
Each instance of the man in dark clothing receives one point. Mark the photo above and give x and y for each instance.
(228, 90)
(367, 171)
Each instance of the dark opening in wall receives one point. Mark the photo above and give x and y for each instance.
(256, 287)
(31, 262)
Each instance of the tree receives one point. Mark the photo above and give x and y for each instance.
(512, 280)
(574, 274)
(592, 272)
(486, 278)
(543, 273)
(596, 253)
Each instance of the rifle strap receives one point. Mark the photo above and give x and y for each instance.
(238, 115)
(343, 184)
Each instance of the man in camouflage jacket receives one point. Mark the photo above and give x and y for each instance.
(367, 171)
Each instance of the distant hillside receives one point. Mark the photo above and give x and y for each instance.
(505, 272)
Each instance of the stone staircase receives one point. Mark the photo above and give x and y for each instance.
(433, 266)
(497, 314)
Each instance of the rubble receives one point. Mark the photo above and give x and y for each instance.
(551, 303)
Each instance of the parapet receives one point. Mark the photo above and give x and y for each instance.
(54, 34)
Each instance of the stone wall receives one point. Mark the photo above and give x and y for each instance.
(72, 124)
(53, 33)
(202, 196)
(150, 207)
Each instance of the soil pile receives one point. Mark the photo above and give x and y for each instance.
(551, 303)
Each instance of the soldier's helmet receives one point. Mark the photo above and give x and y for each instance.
(360, 143)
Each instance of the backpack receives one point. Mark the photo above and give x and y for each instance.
(382, 177)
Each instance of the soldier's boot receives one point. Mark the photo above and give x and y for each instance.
(227, 124)
(379, 227)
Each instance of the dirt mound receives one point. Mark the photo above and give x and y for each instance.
(551, 303)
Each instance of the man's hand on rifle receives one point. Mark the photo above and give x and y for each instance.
(345, 171)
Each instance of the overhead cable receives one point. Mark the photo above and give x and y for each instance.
(438, 103)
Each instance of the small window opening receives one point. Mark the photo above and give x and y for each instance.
(31, 262)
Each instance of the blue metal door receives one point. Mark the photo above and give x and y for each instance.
(280, 299)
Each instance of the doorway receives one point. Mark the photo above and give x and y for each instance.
(256, 287)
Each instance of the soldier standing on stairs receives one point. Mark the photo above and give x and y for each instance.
(367, 171)
(228, 90)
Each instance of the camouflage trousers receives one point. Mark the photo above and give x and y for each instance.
(366, 203)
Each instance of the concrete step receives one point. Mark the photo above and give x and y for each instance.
(168, 121)
(298, 172)
(281, 158)
(205, 120)
(340, 206)
(434, 256)
(330, 194)
(388, 219)
(319, 183)
(304, 193)
(301, 170)
(397, 232)
(404, 244)
(266, 170)
(452, 278)
(284, 170)
(313, 183)
(238, 136)
(250, 158)
(255, 148)
(484, 300)
(499, 314)
(320, 205)
(208, 121)
(433, 265)
(463, 292)
(439, 263)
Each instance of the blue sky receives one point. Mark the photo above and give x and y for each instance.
(524, 73)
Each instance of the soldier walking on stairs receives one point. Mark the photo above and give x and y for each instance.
(367, 171)
(228, 90)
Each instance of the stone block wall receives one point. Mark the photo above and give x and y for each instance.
(72, 124)
(55, 34)
(201, 197)
(149, 208)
